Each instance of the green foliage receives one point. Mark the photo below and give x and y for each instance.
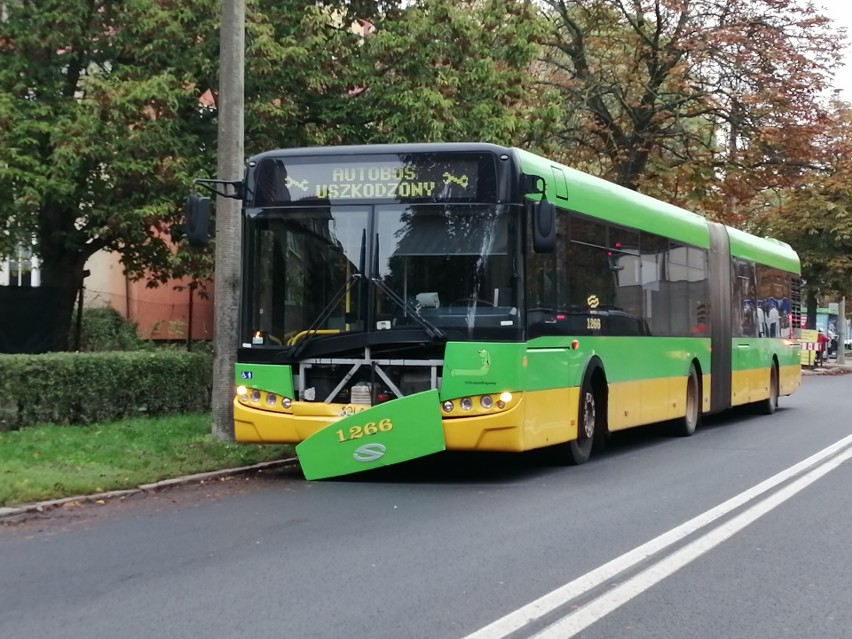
(456, 71)
(434, 70)
(50, 462)
(82, 388)
(102, 128)
(104, 329)
(93, 109)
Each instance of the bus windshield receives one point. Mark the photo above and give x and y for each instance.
(318, 271)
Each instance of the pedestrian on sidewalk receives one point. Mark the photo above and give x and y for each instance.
(822, 347)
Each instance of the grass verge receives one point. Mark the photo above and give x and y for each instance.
(50, 462)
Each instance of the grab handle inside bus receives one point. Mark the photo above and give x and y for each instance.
(544, 226)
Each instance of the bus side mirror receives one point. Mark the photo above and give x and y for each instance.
(544, 226)
(197, 220)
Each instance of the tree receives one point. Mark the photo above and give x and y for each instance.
(726, 89)
(425, 71)
(100, 130)
(457, 71)
(815, 217)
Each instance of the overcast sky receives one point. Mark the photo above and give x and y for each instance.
(841, 12)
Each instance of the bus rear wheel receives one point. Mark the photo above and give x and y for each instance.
(580, 449)
(686, 425)
(768, 405)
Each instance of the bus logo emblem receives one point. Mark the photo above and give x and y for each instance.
(369, 453)
(485, 358)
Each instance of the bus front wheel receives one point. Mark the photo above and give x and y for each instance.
(580, 449)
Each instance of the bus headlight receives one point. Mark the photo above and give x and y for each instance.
(447, 406)
(466, 403)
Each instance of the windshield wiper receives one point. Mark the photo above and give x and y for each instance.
(324, 314)
(432, 330)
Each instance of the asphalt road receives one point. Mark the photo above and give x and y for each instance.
(717, 535)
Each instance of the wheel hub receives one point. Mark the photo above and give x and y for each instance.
(589, 415)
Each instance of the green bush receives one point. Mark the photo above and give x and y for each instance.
(83, 388)
(104, 329)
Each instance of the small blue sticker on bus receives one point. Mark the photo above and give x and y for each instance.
(246, 375)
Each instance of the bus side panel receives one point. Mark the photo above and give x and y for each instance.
(553, 376)
(790, 378)
(647, 377)
(753, 359)
(624, 408)
(659, 399)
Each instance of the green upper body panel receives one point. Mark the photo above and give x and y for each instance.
(577, 191)
(272, 378)
(607, 201)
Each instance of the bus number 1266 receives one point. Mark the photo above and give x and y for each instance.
(370, 428)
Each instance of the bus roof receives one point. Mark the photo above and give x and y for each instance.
(590, 195)
(764, 250)
(608, 201)
(379, 149)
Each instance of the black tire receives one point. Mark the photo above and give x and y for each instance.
(580, 449)
(685, 426)
(770, 404)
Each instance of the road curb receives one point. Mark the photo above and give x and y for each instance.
(43, 506)
(827, 369)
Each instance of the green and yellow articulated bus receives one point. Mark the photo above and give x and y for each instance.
(400, 300)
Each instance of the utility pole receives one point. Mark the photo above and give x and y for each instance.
(841, 332)
(226, 279)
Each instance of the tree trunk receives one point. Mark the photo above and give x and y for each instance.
(811, 303)
(64, 274)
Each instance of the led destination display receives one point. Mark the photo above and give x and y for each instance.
(419, 178)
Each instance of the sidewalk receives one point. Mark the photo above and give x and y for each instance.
(43, 506)
(831, 367)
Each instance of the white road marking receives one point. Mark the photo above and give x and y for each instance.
(546, 604)
(588, 614)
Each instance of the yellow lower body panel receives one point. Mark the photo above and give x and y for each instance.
(752, 385)
(650, 401)
(501, 431)
(790, 378)
(742, 383)
(550, 417)
(252, 425)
